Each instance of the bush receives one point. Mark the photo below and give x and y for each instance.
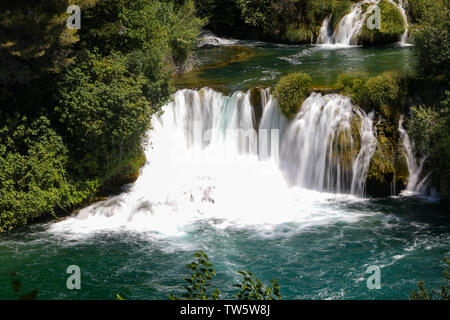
(33, 177)
(354, 85)
(291, 91)
(387, 93)
(298, 34)
(429, 127)
(432, 42)
(392, 26)
(104, 114)
(203, 273)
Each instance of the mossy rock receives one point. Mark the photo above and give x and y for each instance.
(256, 102)
(353, 84)
(291, 91)
(392, 27)
(388, 171)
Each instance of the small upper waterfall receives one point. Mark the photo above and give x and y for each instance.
(415, 183)
(325, 36)
(401, 7)
(351, 25)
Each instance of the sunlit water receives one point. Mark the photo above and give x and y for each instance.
(323, 63)
(243, 212)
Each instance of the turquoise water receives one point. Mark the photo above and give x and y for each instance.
(406, 237)
(320, 249)
(271, 62)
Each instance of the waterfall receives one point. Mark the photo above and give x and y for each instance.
(368, 147)
(207, 162)
(350, 26)
(318, 149)
(415, 185)
(325, 36)
(401, 7)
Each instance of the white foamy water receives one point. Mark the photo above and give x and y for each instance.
(350, 26)
(206, 164)
(416, 183)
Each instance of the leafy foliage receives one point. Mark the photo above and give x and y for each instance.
(291, 91)
(203, 273)
(198, 283)
(432, 41)
(76, 105)
(253, 289)
(422, 293)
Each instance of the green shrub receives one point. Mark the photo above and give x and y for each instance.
(392, 26)
(353, 84)
(298, 34)
(387, 93)
(424, 294)
(432, 42)
(291, 91)
(251, 288)
(198, 283)
(33, 176)
(104, 113)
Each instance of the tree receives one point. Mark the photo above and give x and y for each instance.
(432, 41)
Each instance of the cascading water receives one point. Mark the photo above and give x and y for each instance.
(325, 36)
(206, 161)
(415, 185)
(368, 147)
(318, 150)
(401, 7)
(351, 25)
(348, 29)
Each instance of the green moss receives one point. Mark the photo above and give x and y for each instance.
(291, 91)
(387, 93)
(392, 26)
(256, 102)
(354, 85)
(298, 33)
(388, 168)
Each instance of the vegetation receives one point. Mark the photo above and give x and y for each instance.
(76, 104)
(432, 41)
(429, 124)
(203, 273)
(294, 21)
(392, 26)
(422, 293)
(199, 281)
(291, 91)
